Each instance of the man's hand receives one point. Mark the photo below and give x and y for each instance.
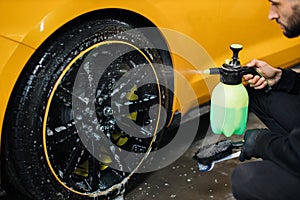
(270, 74)
(251, 137)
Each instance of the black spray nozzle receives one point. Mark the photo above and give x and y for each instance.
(213, 70)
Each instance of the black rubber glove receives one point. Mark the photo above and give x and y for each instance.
(250, 139)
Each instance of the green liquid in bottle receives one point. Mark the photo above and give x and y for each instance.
(229, 109)
(228, 121)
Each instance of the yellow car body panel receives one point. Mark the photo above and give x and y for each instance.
(213, 25)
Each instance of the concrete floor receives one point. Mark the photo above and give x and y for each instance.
(183, 180)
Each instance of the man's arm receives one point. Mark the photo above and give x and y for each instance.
(270, 75)
(289, 81)
(280, 79)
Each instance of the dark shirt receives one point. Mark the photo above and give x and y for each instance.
(289, 82)
(283, 149)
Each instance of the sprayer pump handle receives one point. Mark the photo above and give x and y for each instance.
(236, 48)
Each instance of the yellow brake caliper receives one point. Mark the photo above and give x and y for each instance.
(118, 137)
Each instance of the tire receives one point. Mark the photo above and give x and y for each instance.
(45, 156)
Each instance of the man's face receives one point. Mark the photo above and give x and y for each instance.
(287, 15)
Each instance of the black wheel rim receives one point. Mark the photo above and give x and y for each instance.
(72, 165)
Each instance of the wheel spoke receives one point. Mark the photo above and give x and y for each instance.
(73, 160)
(61, 134)
(80, 97)
(93, 172)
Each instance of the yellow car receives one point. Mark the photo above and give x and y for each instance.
(84, 81)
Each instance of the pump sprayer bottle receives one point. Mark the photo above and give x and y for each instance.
(229, 100)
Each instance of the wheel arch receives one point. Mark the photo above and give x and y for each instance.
(19, 67)
(132, 18)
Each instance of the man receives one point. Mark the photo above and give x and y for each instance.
(277, 175)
